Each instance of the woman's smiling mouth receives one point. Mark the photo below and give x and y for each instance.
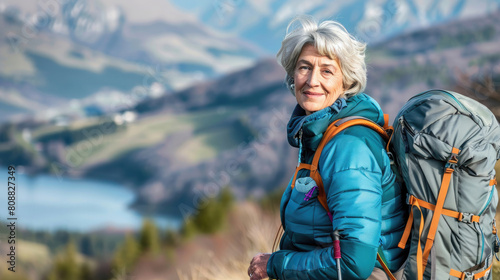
(312, 93)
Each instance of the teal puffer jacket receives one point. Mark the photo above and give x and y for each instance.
(363, 197)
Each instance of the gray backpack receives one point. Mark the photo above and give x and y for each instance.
(446, 146)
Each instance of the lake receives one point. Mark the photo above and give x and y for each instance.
(47, 202)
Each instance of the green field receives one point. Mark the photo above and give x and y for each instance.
(207, 133)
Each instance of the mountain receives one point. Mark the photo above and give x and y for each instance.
(183, 147)
(264, 22)
(453, 55)
(55, 52)
(64, 59)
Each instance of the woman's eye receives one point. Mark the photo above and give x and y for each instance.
(303, 70)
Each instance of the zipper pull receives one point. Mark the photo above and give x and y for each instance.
(300, 135)
(310, 193)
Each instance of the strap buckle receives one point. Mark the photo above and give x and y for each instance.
(452, 161)
(451, 166)
(466, 218)
(409, 199)
(468, 276)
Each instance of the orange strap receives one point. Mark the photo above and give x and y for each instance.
(445, 183)
(384, 266)
(391, 129)
(301, 166)
(420, 265)
(314, 174)
(332, 130)
(386, 121)
(406, 233)
(463, 275)
(450, 213)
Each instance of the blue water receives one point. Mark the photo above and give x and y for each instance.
(51, 203)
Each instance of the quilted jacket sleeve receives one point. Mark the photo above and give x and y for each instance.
(352, 179)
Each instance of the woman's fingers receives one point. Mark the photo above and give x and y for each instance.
(250, 269)
(258, 266)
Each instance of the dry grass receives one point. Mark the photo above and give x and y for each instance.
(253, 231)
(496, 270)
(32, 260)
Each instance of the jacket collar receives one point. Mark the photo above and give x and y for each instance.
(314, 125)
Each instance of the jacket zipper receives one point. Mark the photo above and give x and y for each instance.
(457, 101)
(408, 104)
(480, 213)
(300, 146)
(405, 127)
(488, 201)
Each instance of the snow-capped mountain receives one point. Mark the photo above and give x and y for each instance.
(264, 21)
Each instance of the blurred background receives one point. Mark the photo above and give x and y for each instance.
(148, 138)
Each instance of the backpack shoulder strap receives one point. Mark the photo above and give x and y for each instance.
(332, 130)
(335, 128)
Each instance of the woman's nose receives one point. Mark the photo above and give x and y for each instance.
(313, 79)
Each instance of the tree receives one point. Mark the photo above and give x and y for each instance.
(66, 266)
(149, 240)
(212, 215)
(188, 229)
(127, 254)
(86, 272)
(226, 198)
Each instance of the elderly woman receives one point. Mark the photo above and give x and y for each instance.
(326, 72)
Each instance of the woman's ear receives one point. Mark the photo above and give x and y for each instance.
(291, 84)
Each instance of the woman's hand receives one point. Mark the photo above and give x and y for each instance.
(258, 266)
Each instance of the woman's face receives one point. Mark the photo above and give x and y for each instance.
(318, 80)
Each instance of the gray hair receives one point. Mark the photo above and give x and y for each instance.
(331, 39)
